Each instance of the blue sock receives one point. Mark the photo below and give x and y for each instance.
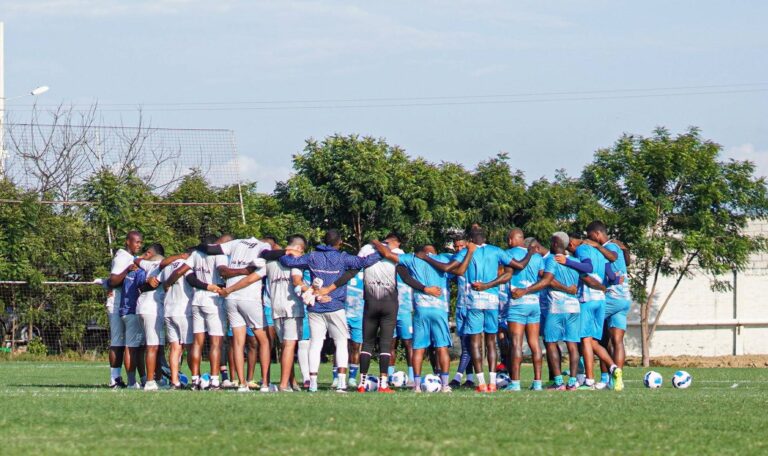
(572, 381)
(537, 383)
(605, 377)
(410, 372)
(353, 368)
(558, 380)
(444, 378)
(390, 371)
(581, 365)
(417, 382)
(335, 373)
(515, 384)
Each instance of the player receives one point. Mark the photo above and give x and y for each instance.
(465, 360)
(302, 284)
(524, 312)
(353, 306)
(430, 323)
(150, 310)
(177, 307)
(328, 264)
(122, 264)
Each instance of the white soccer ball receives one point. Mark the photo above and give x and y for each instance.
(682, 379)
(371, 383)
(431, 384)
(205, 380)
(653, 380)
(398, 379)
(502, 380)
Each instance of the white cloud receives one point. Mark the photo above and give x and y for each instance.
(265, 175)
(749, 152)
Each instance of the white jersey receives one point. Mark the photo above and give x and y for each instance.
(120, 262)
(285, 302)
(178, 298)
(379, 280)
(204, 267)
(243, 253)
(150, 302)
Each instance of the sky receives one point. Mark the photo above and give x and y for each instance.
(460, 81)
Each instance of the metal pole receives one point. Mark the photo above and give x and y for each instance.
(2, 100)
(239, 183)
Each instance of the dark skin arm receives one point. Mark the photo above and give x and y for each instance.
(545, 281)
(520, 265)
(210, 249)
(175, 275)
(573, 289)
(608, 254)
(340, 282)
(168, 260)
(385, 252)
(115, 280)
(504, 277)
(591, 282)
(227, 272)
(624, 250)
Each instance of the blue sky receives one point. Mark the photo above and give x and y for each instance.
(159, 52)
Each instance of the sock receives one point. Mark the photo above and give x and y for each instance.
(444, 378)
(363, 378)
(537, 384)
(390, 371)
(224, 374)
(342, 381)
(481, 378)
(605, 377)
(335, 373)
(417, 382)
(143, 379)
(558, 380)
(515, 384)
(195, 379)
(613, 368)
(571, 381)
(353, 368)
(214, 380)
(115, 372)
(410, 372)
(471, 378)
(313, 381)
(589, 381)
(492, 378)
(458, 377)
(131, 378)
(581, 365)
(383, 381)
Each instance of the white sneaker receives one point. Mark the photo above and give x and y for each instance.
(600, 386)
(151, 386)
(135, 386)
(352, 382)
(264, 388)
(227, 384)
(243, 389)
(446, 389)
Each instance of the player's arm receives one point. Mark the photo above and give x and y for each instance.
(340, 282)
(168, 260)
(272, 255)
(593, 283)
(462, 267)
(200, 285)
(543, 283)
(521, 264)
(501, 279)
(414, 283)
(290, 261)
(584, 266)
(624, 250)
(227, 273)
(356, 262)
(607, 253)
(385, 252)
(299, 286)
(573, 289)
(242, 283)
(210, 249)
(115, 280)
(439, 265)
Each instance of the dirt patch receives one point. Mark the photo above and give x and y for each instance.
(704, 361)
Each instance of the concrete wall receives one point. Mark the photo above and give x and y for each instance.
(695, 303)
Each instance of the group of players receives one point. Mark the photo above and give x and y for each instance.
(254, 294)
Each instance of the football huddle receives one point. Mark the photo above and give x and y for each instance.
(241, 299)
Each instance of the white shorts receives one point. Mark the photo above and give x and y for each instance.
(211, 320)
(116, 329)
(178, 329)
(332, 323)
(154, 331)
(134, 332)
(242, 312)
(289, 328)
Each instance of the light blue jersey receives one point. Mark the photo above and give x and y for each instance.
(404, 298)
(484, 267)
(446, 258)
(527, 276)
(462, 285)
(355, 297)
(559, 301)
(587, 294)
(618, 292)
(429, 277)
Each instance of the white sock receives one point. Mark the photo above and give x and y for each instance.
(114, 372)
(342, 380)
(613, 368)
(363, 378)
(458, 377)
(215, 380)
(589, 381)
(481, 379)
(471, 378)
(313, 381)
(383, 381)
(492, 378)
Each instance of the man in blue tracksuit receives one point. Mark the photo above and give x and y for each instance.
(327, 314)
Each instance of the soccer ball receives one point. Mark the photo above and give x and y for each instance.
(371, 383)
(681, 379)
(431, 384)
(398, 379)
(183, 379)
(653, 380)
(205, 380)
(502, 380)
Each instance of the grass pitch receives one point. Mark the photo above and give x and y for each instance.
(64, 408)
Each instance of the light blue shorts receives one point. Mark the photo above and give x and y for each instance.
(355, 326)
(305, 331)
(461, 317)
(404, 327)
(430, 329)
(481, 321)
(616, 311)
(562, 328)
(524, 314)
(591, 318)
(248, 332)
(268, 316)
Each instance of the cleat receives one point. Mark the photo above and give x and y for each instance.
(118, 383)
(446, 389)
(296, 387)
(454, 384)
(341, 390)
(306, 384)
(135, 386)
(286, 390)
(481, 388)
(512, 387)
(213, 388)
(253, 385)
(151, 386)
(601, 386)
(227, 384)
(352, 382)
(586, 387)
(312, 389)
(264, 388)
(556, 387)
(469, 384)
(572, 387)
(618, 379)
(409, 384)
(361, 389)
(177, 387)
(417, 390)
(243, 389)
(386, 390)
(491, 388)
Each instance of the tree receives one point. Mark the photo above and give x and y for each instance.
(681, 209)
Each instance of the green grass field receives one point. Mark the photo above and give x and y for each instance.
(64, 408)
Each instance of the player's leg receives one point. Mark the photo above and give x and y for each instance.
(516, 331)
(339, 332)
(288, 330)
(198, 342)
(237, 346)
(355, 344)
(418, 360)
(532, 335)
(371, 317)
(473, 328)
(573, 359)
(116, 349)
(318, 330)
(252, 356)
(490, 328)
(440, 335)
(387, 323)
(152, 344)
(553, 359)
(421, 340)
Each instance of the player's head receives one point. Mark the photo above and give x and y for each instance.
(574, 241)
(393, 240)
(429, 249)
(532, 241)
(297, 242)
(516, 238)
(597, 232)
(155, 250)
(477, 235)
(332, 238)
(133, 242)
(223, 238)
(208, 239)
(271, 240)
(559, 243)
(459, 243)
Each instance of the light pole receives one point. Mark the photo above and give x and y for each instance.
(35, 92)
